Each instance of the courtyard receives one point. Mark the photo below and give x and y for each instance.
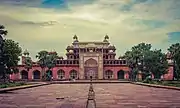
(117, 95)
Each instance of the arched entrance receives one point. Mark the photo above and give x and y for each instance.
(36, 74)
(61, 74)
(108, 74)
(73, 74)
(91, 69)
(120, 74)
(24, 74)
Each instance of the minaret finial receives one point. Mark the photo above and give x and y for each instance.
(106, 37)
(26, 53)
(75, 38)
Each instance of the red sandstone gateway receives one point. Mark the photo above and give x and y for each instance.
(85, 60)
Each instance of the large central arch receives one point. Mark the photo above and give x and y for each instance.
(91, 69)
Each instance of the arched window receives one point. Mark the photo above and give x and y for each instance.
(108, 74)
(73, 74)
(61, 74)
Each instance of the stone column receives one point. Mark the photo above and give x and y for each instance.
(54, 74)
(30, 74)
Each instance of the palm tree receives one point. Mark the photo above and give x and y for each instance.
(42, 56)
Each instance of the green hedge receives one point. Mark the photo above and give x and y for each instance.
(12, 84)
(165, 83)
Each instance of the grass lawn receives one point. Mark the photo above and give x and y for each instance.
(166, 83)
(6, 85)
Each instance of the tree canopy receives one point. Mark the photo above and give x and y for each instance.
(46, 59)
(142, 58)
(174, 50)
(42, 56)
(28, 61)
(12, 52)
(155, 62)
(51, 60)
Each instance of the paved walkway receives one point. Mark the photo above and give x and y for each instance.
(116, 95)
(50, 96)
(135, 96)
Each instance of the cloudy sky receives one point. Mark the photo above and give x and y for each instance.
(51, 24)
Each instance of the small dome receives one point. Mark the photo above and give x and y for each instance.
(111, 47)
(121, 57)
(106, 37)
(110, 51)
(26, 52)
(71, 51)
(70, 47)
(76, 41)
(105, 40)
(53, 52)
(75, 37)
(61, 57)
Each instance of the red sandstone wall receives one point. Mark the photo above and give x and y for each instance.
(115, 70)
(54, 72)
(169, 75)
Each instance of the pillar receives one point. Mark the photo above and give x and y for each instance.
(54, 74)
(30, 72)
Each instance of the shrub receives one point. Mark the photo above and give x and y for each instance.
(148, 80)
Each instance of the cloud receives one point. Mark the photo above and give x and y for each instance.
(174, 36)
(36, 27)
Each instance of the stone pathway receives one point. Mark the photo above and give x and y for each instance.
(50, 96)
(135, 96)
(117, 95)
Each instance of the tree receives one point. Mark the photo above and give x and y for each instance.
(46, 60)
(174, 50)
(28, 61)
(42, 56)
(3, 33)
(12, 51)
(142, 58)
(51, 62)
(135, 55)
(156, 63)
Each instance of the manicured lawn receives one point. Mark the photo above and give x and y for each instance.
(166, 83)
(6, 85)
